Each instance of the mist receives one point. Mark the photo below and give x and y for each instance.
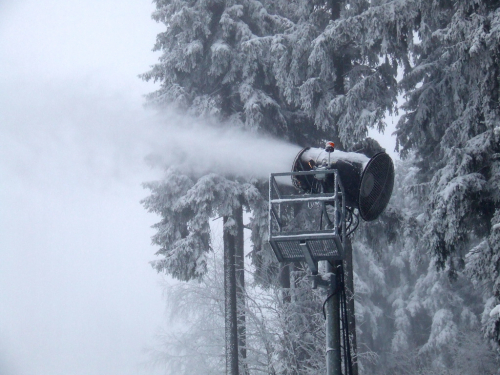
(77, 293)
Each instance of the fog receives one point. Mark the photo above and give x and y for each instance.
(77, 295)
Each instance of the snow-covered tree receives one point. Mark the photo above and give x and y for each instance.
(282, 337)
(210, 66)
(337, 63)
(411, 317)
(205, 70)
(186, 206)
(452, 122)
(196, 309)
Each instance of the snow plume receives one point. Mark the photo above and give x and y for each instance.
(201, 147)
(93, 136)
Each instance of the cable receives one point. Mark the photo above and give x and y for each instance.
(348, 219)
(328, 298)
(345, 324)
(345, 342)
(352, 216)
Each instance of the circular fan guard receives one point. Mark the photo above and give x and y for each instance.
(375, 190)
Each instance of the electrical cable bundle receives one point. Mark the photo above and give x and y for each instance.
(344, 318)
(351, 219)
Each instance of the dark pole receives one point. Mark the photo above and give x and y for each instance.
(284, 278)
(240, 290)
(230, 305)
(349, 280)
(333, 358)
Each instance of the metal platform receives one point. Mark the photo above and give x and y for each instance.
(289, 236)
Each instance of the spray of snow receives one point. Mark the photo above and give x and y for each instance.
(200, 147)
(73, 154)
(113, 138)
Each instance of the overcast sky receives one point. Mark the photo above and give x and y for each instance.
(77, 295)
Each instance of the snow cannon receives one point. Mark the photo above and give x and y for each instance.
(367, 182)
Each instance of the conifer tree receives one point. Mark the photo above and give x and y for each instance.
(411, 317)
(452, 121)
(205, 70)
(186, 207)
(210, 66)
(337, 67)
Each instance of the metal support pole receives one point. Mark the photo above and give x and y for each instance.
(333, 358)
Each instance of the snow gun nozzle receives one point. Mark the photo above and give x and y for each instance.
(367, 181)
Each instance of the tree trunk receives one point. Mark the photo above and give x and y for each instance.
(284, 278)
(342, 63)
(349, 281)
(240, 290)
(230, 305)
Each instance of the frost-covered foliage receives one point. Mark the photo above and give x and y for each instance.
(281, 337)
(286, 332)
(337, 64)
(196, 310)
(411, 317)
(304, 70)
(210, 66)
(452, 122)
(186, 206)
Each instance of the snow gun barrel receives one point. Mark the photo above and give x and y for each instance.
(367, 182)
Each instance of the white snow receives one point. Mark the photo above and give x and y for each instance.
(306, 199)
(495, 311)
(472, 182)
(318, 154)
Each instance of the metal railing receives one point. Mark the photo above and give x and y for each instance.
(289, 235)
